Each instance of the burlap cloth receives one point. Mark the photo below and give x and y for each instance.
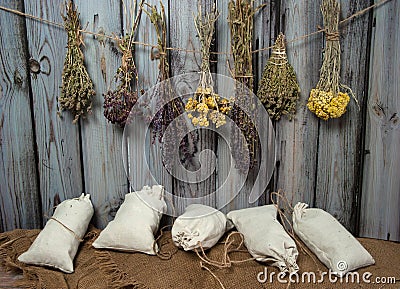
(110, 269)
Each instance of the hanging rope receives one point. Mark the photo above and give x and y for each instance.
(30, 16)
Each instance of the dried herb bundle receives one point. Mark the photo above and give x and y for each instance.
(173, 108)
(240, 19)
(77, 87)
(206, 104)
(118, 103)
(278, 89)
(326, 100)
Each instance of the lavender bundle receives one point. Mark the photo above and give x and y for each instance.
(175, 107)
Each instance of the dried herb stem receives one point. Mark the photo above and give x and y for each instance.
(175, 107)
(240, 19)
(118, 103)
(77, 87)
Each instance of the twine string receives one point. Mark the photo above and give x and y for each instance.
(65, 227)
(103, 35)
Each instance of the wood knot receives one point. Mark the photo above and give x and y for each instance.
(34, 66)
(18, 80)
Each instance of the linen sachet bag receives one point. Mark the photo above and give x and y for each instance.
(265, 238)
(135, 222)
(329, 240)
(57, 244)
(199, 225)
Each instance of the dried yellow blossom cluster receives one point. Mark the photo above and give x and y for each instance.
(325, 105)
(208, 106)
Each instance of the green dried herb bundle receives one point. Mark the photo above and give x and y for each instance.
(278, 89)
(326, 100)
(77, 87)
(240, 19)
(119, 102)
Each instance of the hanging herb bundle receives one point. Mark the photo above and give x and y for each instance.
(174, 108)
(77, 87)
(206, 105)
(118, 103)
(240, 19)
(326, 100)
(278, 89)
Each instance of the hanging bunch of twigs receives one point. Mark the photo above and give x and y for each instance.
(240, 19)
(77, 87)
(119, 102)
(206, 105)
(175, 107)
(278, 89)
(326, 100)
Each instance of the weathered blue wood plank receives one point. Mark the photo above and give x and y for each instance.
(381, 183)
(57, 138)
(19, 197)
(182, 34)
(339, 149)
(104, 173)
(297, 140)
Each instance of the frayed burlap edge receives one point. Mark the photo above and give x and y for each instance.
(116, 277)
(7, 252)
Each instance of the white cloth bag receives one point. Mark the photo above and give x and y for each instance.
(265, 238)
(329, 240)
(135, 222)
(199, 224)
(56, 246)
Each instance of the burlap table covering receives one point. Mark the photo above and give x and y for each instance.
(111, 269)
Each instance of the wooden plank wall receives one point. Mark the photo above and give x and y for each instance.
(19, 190)
(380, 200)
(349, 166)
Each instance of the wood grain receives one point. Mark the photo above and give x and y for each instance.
(105, 176)
(18, 176)
(381, 183)
(339, 164)
(183, 34)
(297, 140)
(57, 138)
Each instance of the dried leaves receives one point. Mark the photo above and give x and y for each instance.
(278, 89)
(326, 101)
(77, 87)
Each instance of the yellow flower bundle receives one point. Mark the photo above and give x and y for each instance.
(325, 100)
(206, 105)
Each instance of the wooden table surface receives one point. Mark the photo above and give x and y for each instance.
(7, 279)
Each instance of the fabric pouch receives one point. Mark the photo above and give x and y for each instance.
(135, 222)
(329, 240)
(265, 238)
(57, 244)
(199, 225)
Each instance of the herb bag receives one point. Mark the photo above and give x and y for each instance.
(57, 244)
(135, 223)
(265, 238)
(199, 225)
(329, 240)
